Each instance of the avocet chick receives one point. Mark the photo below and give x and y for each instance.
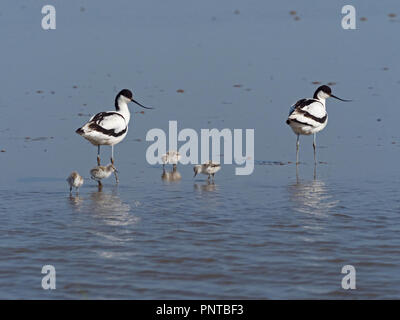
(74, 180)
(208, 168)
(102, 172)
(171, 157)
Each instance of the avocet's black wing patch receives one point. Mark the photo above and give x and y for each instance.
(108, 123)
(307, 112)
(111, 124)
(301, 104)
(98, 118)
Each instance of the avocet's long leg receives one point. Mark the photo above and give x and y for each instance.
(98, 155)
(315, 146)
(112, 162)
(315, 171)
(297, 149)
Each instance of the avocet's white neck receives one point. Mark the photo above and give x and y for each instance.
(322, 100)
(122, 107)
(322, 96)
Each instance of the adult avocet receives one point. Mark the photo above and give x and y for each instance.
(110, 128)
(309, 116)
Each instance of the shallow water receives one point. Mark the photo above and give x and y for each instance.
(274, 234)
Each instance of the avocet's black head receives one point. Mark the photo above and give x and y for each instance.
(324, 92)
(126, 93)
(126, 96)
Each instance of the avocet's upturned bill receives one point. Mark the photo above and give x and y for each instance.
(111, 127)
(309, 116)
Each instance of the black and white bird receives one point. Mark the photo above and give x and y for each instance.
(111, 127)
(309, 116)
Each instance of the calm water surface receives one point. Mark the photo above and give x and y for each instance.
(275, 234)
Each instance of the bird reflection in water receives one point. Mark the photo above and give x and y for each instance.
(208, 195)
(171, 176)
(110, 208)
(207, 187)
(311, 197)
(76, 202)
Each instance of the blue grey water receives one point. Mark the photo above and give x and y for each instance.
(270, 235)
